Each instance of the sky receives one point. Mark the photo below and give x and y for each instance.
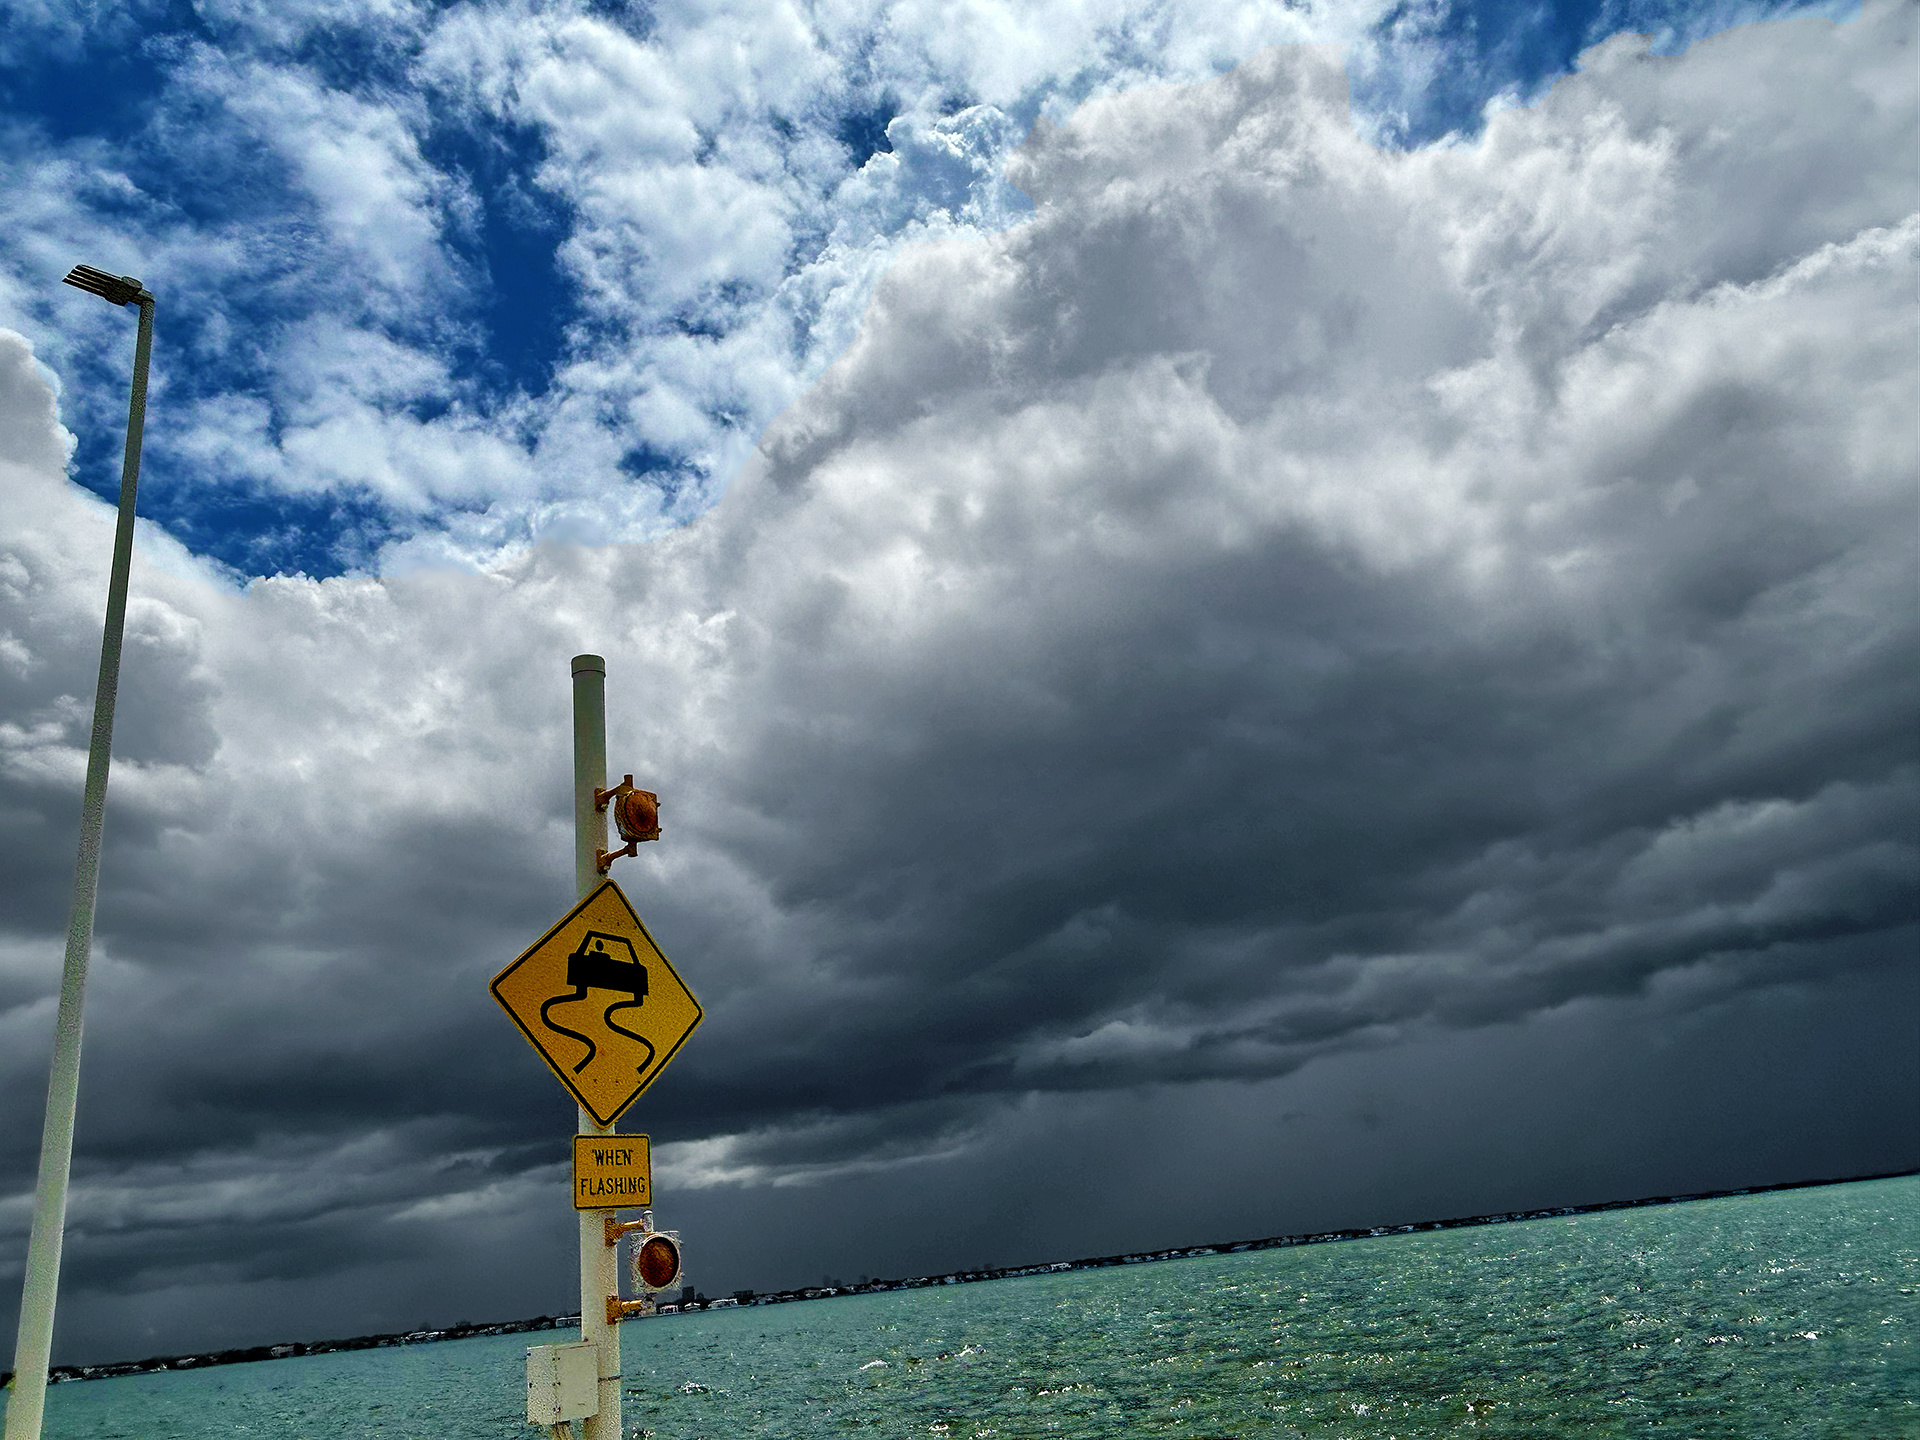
(1248, 619)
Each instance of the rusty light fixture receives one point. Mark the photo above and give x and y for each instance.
(656, 1264)
(636, 814)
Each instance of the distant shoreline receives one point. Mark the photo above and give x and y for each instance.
(62, 1374)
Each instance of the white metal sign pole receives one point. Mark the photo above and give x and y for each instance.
(599, 1261)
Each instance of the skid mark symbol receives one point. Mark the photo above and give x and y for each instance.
(594, 969)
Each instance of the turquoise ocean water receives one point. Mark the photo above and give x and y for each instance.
(1784, 1314)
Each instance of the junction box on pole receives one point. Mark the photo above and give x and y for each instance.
(563, 1384)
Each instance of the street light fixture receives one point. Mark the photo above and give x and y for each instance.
(120, 289)
(34, 1347)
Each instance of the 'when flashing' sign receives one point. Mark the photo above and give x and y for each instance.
(612, 1172)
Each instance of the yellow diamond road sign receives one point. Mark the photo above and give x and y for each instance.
(598, 1000)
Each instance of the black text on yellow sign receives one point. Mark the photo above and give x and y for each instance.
(612, 1172)
(601, 1004)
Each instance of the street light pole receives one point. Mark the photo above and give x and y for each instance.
(34, 1346)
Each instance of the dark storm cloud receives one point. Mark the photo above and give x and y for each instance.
(1126, 746)
(1285, 609)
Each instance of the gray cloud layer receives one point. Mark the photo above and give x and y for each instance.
(1287, 610)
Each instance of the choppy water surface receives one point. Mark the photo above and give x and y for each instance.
(1787, 1314)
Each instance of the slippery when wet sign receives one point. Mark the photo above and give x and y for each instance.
(598, 1000)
